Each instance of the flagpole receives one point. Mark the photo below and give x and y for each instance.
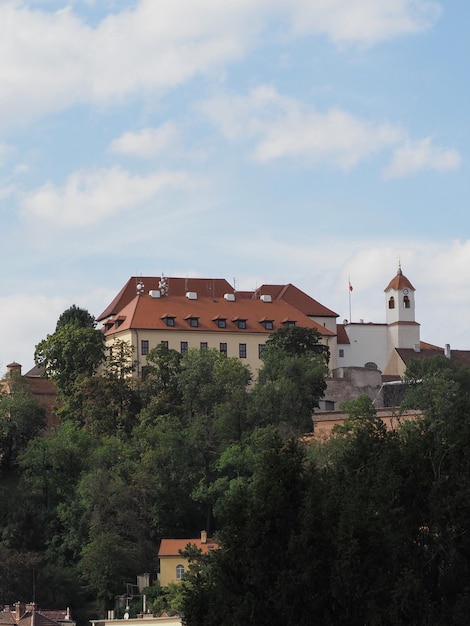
(349, 291)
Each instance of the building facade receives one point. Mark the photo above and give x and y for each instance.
(209, 313)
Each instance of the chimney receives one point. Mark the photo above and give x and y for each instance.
(19, 611)
(203, 536)
(447, 351)
(31, 606)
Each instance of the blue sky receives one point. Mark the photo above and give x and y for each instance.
(302, 141)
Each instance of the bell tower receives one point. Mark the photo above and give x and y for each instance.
(400, 312)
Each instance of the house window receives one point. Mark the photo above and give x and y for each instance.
(203, 345)
(242, 350)
(289, 323)
(240, 323)
(179, 571)
(406, 302)
(223, 348)
(329, 405)
(221, 322)
(268, 324)
(261, 347)
(391, 303)
(164, 343)
(184, 347)
(193, 321)
(144, 346)
(169, 320)
(341, 352)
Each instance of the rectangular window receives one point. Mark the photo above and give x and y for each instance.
(261, 347)
(203, 345)
(241, 323)
(164, 343)
(184, 347)
(144, 346)
(223, 348)
(170, 321)
(341, 352)
(269, 324)
(242, 350)
(221, 322)
(193, 321)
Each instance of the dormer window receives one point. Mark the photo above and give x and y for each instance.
(241, 323)
(391, 303)
(192, 321)
(288, 323)
(221, 322)
(169, 320)
(268, 324)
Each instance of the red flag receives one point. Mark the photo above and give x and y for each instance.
(350, 286)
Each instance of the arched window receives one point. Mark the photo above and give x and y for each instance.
(179, 571)
(406, 302)
(391, 303)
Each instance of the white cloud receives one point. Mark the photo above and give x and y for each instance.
(147, 142)
(364, 21)
(282, 127)
(25, 319)
(50, 61)
(89, 198)
(412, 157)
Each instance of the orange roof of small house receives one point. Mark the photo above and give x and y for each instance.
(172, 547)
(147, 312)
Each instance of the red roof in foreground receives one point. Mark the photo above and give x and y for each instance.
(172, 547)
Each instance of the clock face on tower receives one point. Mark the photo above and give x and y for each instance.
(405, 291)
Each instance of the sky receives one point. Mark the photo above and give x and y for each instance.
(312, 142)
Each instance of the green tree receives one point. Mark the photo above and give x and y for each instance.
(74, 350)
(213, 397)
(21, 419)
(75, 316)
(243, 583)
(291, 380)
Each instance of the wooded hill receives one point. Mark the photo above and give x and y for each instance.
(370, 527)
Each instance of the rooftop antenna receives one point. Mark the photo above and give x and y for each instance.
(140, 287)
(163, 285)
(234, 284)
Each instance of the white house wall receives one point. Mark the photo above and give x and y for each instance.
(367, 343)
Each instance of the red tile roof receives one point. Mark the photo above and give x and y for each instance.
(208, 287)
(399, 282)
(342, 336)
(146, 312)
(297, 298)
(172, 547)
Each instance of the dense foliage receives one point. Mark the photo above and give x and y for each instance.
(370, 527)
